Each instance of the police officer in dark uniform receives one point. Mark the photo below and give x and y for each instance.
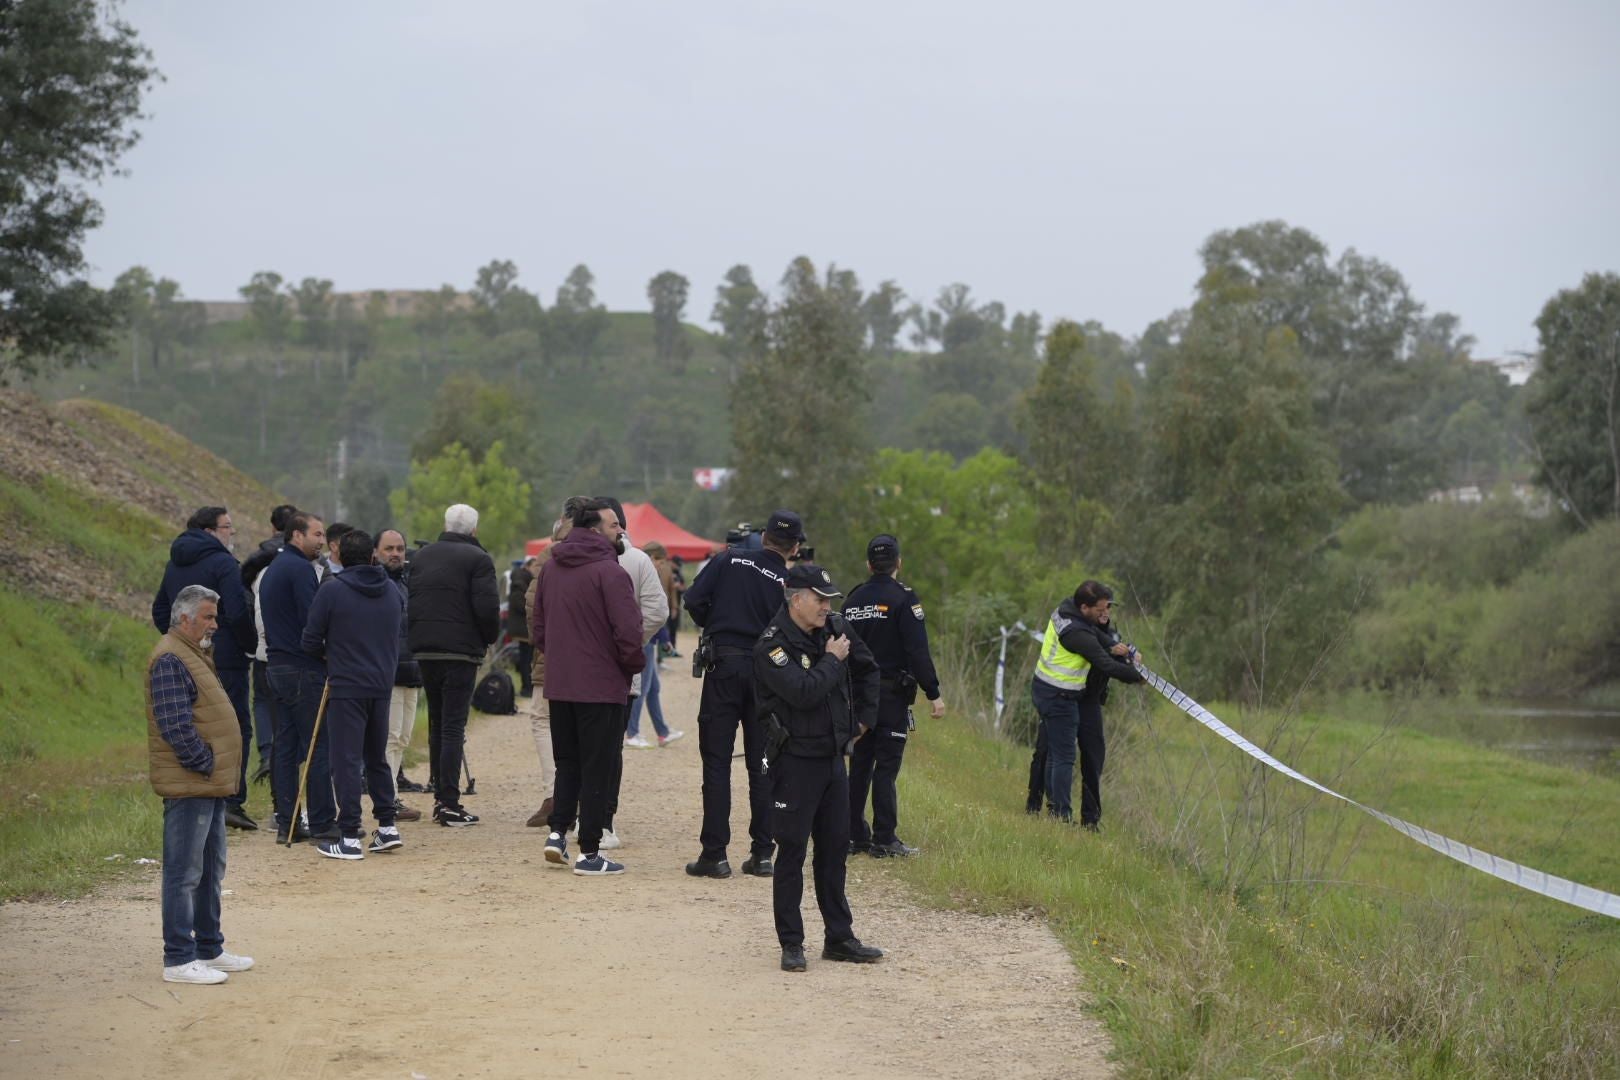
(733, 599)
(818, 690)
(889, 619)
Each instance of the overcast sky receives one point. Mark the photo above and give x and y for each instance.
(1067, 157)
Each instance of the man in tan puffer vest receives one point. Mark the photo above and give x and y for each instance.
(195, 747)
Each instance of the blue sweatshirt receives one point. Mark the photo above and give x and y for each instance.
(285, 596)
(355, 624)
(197, 558)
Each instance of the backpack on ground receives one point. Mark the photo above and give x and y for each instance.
(495, 695)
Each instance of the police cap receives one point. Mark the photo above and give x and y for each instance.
(883, 548)
(785, 525)
(812, 577)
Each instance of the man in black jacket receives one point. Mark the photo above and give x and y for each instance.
(263, 701)
(817, 689)
(1078, 657)
(202, 556)
(733, 599)
(888, 616)
(354, 626)
(455, 615)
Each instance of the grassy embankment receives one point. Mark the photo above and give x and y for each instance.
(1227, 922)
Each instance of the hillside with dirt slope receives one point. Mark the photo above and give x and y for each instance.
(91, 494)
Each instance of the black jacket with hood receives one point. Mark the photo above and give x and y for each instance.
(198, 558)
(354, 625)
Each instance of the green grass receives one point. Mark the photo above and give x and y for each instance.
(1233, 926)
(128, 545)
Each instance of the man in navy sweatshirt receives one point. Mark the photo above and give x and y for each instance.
(355, 625)
(296, 680)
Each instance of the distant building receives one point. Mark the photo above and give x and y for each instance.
(396, 303)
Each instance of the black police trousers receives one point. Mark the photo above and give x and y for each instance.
(810, 798)
(875, 763)
(727, 703)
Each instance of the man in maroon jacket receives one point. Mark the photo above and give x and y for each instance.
(586, 623)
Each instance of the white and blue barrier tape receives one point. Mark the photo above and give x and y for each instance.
(1536, 881)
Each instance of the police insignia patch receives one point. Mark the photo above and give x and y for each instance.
(916, 609)
(770, 632)
(804, 661)
(778, 656)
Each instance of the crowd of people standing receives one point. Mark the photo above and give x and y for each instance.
(317, 648)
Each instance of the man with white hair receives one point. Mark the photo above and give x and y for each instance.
(454, 616)
(194, 746)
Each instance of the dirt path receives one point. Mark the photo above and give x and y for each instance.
(464, 955)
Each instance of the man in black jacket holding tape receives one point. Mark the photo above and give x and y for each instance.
(817, 690)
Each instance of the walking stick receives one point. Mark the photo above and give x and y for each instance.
(303, 774)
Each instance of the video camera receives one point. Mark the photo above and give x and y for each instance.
(747, 536)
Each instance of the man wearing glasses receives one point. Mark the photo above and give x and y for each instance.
(202, 556)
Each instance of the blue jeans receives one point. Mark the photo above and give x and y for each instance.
(649, 694)
(297, 695)
(193, 872)
(1060, 717)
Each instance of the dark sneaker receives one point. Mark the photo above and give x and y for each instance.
(557, 849)
(894, 849)
(262, 774)
(405, 783)
(597, 866)
(454, 817)
(406, 813)
(758, 866)
(858, 848)
(237, 818)
(793, 958)
(715, 868)
(386, 838)
(299, 835)
(852, 951)
(329, 833)
(345, 847)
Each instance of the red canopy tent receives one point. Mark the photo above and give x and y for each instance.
(645, 522)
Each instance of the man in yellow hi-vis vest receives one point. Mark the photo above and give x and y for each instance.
(1078, 657)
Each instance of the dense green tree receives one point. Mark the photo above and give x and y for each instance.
(269, 313)
(1574, 398)
(1080, 447)
(175, 320)
(312, 299)
(131, 296)
(490, 486)
(71, 79)
(798, 410)
(1245, 486)
(1359, 331)
(742, 311)
(668, 292)
(475, 414)
(885, 314)
(660, 434)
(433, 319)
(958, 424)
(575, 324)
(500, 304)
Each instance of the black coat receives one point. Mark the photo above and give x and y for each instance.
(197, 558)
(517, 605)
(1092, 641)
(818, 698)
(454, 608)
(407, 672)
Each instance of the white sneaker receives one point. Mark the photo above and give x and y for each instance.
(610, 840)
(229, 962)
(665, 740)
(638, 741)
(194, 972)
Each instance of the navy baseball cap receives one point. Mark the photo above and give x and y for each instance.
(785, 525)
(882, 547)
(810, 576)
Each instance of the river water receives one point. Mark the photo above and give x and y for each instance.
(1582, 738)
